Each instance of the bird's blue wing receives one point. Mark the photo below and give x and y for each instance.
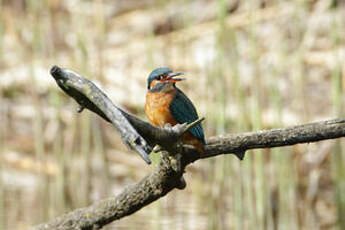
(183, 110)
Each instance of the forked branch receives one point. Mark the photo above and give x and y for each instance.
(165, 177)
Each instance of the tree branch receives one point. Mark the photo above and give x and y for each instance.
(133, 198)
(167, 177)
(132, 129)
(306, 133)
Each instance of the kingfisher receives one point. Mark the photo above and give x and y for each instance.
(165, 103)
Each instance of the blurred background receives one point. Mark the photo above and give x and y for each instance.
(249, 65)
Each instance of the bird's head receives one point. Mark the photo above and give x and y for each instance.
(161, 77)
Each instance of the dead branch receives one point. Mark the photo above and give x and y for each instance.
(167, 176)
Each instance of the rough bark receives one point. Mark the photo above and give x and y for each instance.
(168, 174)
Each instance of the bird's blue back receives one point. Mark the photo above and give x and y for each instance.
(183, 110)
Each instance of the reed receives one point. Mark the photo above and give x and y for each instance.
(338, 156)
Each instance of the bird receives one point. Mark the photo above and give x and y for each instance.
(167, 104)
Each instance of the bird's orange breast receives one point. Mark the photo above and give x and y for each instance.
(158, 112)
(157, 108)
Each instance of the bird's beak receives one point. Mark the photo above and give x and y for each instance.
(171, 77)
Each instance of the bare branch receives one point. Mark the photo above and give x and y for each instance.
(166, 177)
(134, 131)
(306, 133)
(133, 198)
(91, 97)
(238, 143)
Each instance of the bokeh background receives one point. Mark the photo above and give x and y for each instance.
(249, 65)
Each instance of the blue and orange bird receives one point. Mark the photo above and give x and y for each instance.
(165, 103)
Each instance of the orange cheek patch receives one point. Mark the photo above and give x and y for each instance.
(153, 83)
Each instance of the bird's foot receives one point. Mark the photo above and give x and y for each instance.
(188, 147)
(167, 126)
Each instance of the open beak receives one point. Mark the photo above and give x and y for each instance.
(172, 77)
